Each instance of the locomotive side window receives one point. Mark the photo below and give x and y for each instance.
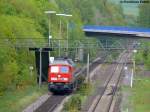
(54, 69)
(64, 69)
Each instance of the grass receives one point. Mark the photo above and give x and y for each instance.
(137, 99)
(18, 100)
(141, 95)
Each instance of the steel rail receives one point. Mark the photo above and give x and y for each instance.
(106, 84)
(117, 84)
(56, 102)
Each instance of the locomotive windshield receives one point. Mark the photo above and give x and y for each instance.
(54, 69)
(59, 69)
(64, 69)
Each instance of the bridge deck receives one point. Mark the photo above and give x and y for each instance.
(117, 30)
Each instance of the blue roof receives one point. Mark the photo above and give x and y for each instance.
(118, 29)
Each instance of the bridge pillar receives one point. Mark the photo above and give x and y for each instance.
(44, 63)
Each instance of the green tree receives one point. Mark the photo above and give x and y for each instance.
(144, 15)
(144, 21)
(25, 21)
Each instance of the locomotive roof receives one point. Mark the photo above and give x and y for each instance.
(63, 62)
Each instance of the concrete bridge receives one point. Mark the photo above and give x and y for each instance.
(117, 31)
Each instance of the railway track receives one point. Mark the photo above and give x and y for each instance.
(52, 102)
(105, 99)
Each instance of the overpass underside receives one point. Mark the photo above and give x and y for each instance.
(117, 31)
(104, 35)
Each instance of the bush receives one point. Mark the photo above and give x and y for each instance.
(74, 104)
(84, 89)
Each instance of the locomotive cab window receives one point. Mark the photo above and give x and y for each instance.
(64, 69)
(54, 69)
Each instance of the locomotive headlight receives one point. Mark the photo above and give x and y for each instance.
(59, 76)
(65, 79)
(53, 78)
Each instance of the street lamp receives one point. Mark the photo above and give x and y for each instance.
(134, 51)
(133, 69)
(125, 68)
(88, 67)
(66, 15)
(49, 25)
(68, 32)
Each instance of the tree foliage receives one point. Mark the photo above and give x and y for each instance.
(144, 15)
(144, 21)
(26, 19)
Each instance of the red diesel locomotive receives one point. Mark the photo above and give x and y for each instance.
(61, 75)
